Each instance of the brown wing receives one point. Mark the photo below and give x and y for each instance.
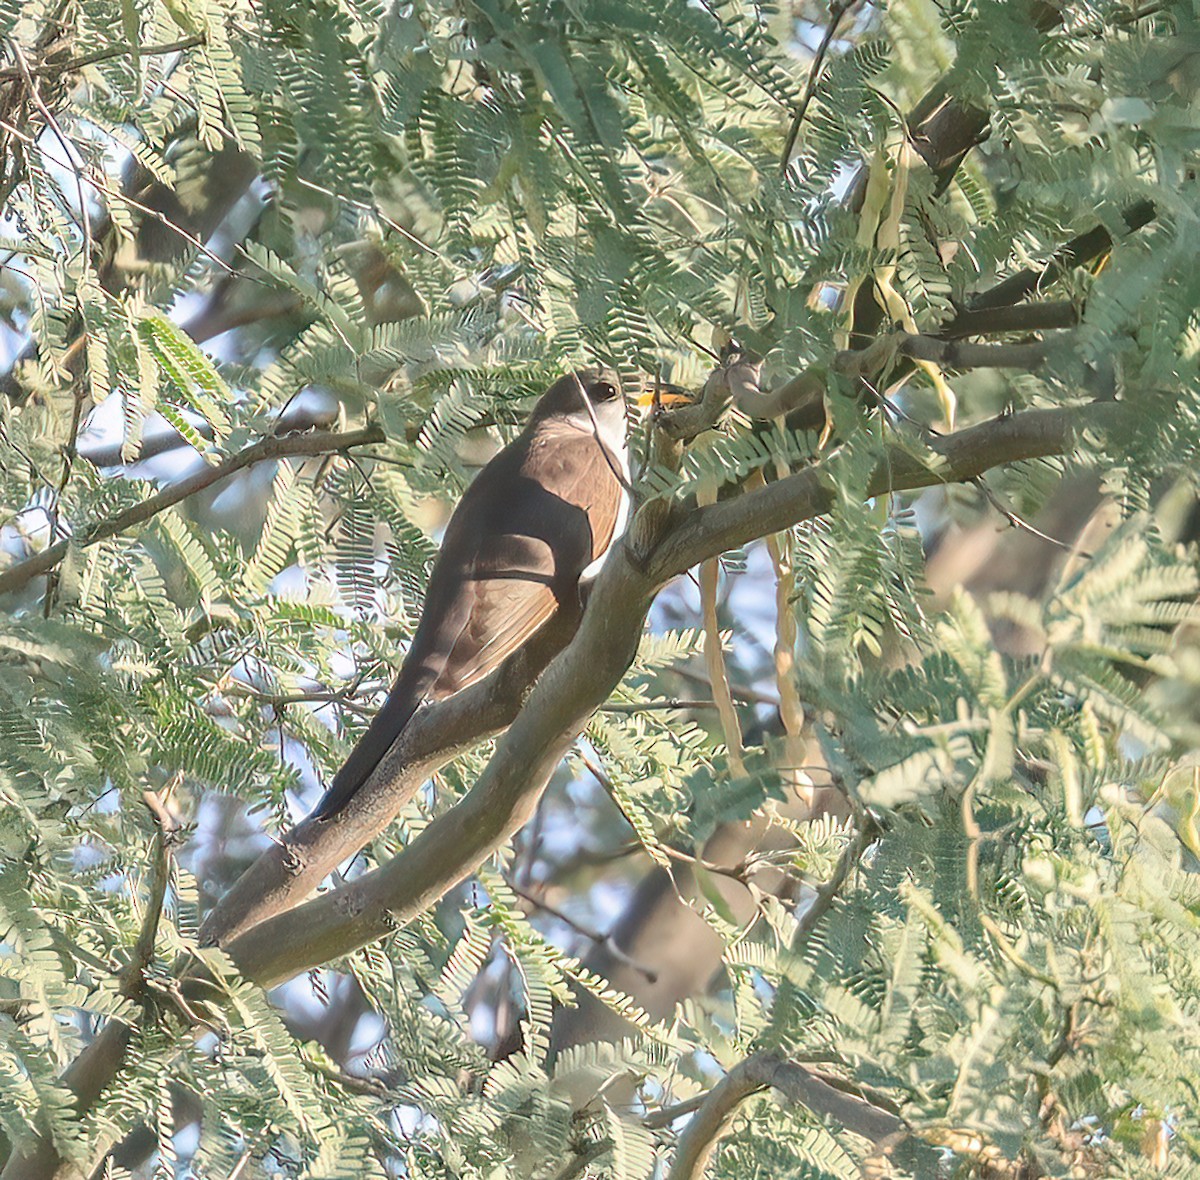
(503, 615)
(532, 520)
(561, 512)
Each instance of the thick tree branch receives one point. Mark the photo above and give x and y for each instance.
(953, 354)
(293, 868)
(729, 524)
(1022, 317)
(881, 356)
(1078, 251)
(581, 677)
(790, 1081)
(287, 446)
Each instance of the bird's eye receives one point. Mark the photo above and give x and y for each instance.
(602, 391)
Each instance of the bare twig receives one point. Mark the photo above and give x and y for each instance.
(133, 981)
(243, 1159)
(592, 935)
(741, 692)
(281, 447)
(90, 59)
(862, 839)
(736, 873)
(663, 705)
(837, 11)
(1019, 522)
(658, 1119)
(279, 700)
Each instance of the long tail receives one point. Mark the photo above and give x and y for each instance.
(402, 702)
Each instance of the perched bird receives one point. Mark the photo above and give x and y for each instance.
(537, 520)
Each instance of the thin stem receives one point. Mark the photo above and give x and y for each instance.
(837, 10)
(826, 894)
(1019, 522)
(282, 699)
(283, 447)
(115, 195)
(588, 932)
(666, 704)
(54, 69)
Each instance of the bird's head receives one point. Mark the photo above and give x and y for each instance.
(599, 387)
(602, 389)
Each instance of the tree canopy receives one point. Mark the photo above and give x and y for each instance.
(853, 830)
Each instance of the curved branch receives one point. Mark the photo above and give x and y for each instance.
(661, 544)
(292, 868)
(730, 524)
(792, 1082)
(283, 447)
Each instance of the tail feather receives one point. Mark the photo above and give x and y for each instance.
(402, 702)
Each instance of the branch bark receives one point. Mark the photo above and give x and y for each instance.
(1021, 317)
(292, 868)
(283, 447)
(794, 1083)
(729, 524)
(1079, 250)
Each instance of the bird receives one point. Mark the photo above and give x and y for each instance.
(531, 530)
